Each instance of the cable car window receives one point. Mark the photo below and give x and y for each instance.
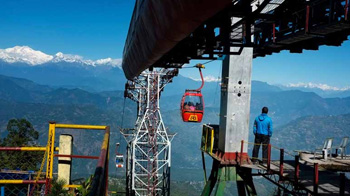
(193, 103)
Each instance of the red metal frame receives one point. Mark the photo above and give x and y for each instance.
(307, 18)
(10, 148)
(231, 158)
(297, 170)
(315, 178)
(100, 180)
(47, 186)
(281, 163)
(106, 176)
(241, 159)
(33, 182)
(268, 157)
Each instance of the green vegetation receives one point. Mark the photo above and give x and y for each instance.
(20, 132)
(85, 187)
(57, 188)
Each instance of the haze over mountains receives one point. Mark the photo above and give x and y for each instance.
(73, 71)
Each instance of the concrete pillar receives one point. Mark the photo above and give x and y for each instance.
(65, 163)
(235, 101)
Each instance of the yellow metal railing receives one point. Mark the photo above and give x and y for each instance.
(51, 141)
(49, 155)
(71, 126)
(209, 141)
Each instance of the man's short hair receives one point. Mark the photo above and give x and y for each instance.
(265, 110)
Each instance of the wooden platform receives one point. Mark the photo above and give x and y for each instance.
(332, 163)
(329, 180)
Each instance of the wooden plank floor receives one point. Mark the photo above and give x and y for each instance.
(334, 163)
(329, 181)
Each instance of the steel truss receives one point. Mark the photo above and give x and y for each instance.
(149, 144)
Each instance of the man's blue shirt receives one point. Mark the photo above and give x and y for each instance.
(263, 125)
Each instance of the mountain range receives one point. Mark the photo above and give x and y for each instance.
(62, 70)
(73, 71)
(322, 90)
(27, 55)
(81, 93)
(22, 98)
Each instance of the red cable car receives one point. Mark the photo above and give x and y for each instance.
(192, 104)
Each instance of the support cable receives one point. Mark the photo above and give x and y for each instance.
(216, 86)
(122, 123)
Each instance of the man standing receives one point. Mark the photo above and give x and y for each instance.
(262, 131)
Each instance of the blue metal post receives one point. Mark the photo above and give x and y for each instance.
(2, 191)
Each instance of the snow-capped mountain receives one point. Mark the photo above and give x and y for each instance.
(323, 90)
(62, 70)
(208, 78)
(27, 55)
(24, 54)
(324, 87)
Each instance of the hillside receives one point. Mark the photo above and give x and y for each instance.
(23, 90)
(23, 98)
(302, 119)
(309, 132)
(56, 74)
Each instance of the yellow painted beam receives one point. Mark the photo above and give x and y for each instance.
(105, 141)
(72, 186)
(33, 148)
(70, 126)
(11, 181)
(206, 139)
(50, 153)
(36, 149)
(212, 141)
(22, 182)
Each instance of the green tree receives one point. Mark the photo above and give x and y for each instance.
(20, 133)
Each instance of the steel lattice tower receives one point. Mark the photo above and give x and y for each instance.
(149, 144)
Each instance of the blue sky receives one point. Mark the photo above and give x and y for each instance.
(97, 29)
(93, 29)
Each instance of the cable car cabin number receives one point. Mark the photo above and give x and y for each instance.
(193, 118)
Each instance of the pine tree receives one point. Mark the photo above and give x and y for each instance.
(20, 133)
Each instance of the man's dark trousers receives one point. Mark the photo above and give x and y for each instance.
(265, 140)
